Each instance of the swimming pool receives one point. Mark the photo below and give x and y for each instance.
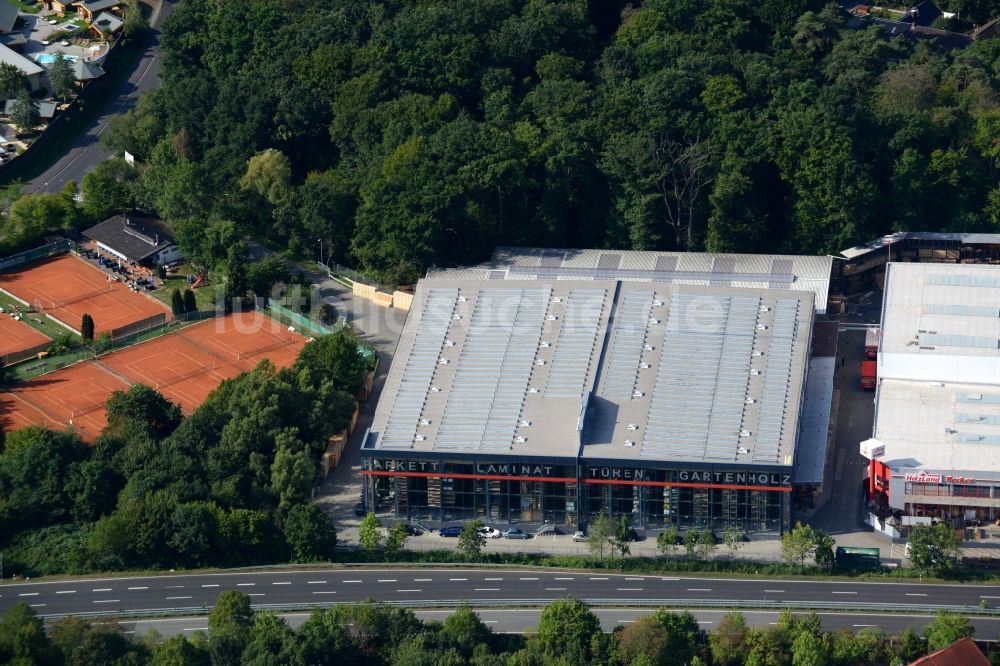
(49, 58)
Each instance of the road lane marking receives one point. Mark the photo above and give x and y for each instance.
(774, 591)
(983, 596)
(409, 590)
(37, 605)
(864, 625)
(66, 592)
(174, 587)
(699, 589)
(919, 594)
(838, 592)
(458, 579)
(493, 579)
(598, 578)
(245, 584)
(350, 581)
(487, 589)
(258, 594)
(705, 622)
(141, 587)
(324, 592)
(630, 589)
(101, 589)
(555, 589)
(426, 580)
(315, 582)
(210, 585)
(195, 629)
(387, 580)
(490, 621)
(670, 579)
(565, 578)
(634, 578)
(282, 582)
(28, 594)
(106, 601)
(626, 621)
(172, 598)
(529, 578)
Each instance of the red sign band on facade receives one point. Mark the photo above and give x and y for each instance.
(495, 477)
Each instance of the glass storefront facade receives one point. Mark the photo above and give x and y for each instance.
(570, 495)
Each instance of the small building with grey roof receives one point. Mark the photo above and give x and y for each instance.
(554, 398)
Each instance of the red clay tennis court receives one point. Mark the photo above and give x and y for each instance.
(16, 336)
(184, 366)
(67, 287)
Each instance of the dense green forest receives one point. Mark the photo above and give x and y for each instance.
(228, 485)
(406, 134)
(568, 634)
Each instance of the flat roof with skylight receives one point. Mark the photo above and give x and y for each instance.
(598, 368)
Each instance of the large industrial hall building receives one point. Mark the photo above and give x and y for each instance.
(937, 418)
(551, 385)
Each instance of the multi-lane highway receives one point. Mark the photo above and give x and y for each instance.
(418, 586)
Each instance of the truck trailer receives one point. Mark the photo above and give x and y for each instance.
(868, 371)
(871, 342)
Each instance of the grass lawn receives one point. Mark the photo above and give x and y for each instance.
(57, 140)
(36, 320)
(204, 296)
(28, 7)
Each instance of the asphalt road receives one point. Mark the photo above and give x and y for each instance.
(87, 152)
(275, 588)
(520, 621)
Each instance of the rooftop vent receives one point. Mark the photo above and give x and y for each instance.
(761, 327)
(532, 390)
(750, 401)
(757, 354)
(435, 389)
(456, 317)
(754, 373)
(745, 433)
(552, 317)
(539, 361)
(638, 394)
(764, 308)
(644, 366)
(420, 438)
(520, 440)
(657, 303)
(629, 442)
(449, 343)
(546, 345)
(425, 422)
(633, 426)
(653, 320)
(648, 347)
(743, 450)
(557, 299)
(442, 361)
(462, 299)
(525, 423)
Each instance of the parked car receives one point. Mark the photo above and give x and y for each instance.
(514, 533)
(359, 509)
(580, 536)
(489, 532)
(635, 536)
(450, 531)
(413, 530)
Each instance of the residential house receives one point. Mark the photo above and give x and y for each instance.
(106, 24)
(47, 110)
(961, 653)
(60, 6)
(85, 71)
(31, 69)
(132, 238)
(8, 16)
(89, 9)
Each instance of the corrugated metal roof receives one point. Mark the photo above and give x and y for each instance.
(796, 272)
(506, 367)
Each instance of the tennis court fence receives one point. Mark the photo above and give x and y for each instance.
(301, 320)
(24, 354)
(138, 327)
(61, 246)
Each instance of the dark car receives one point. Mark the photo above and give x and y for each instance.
(514, 533)
(451, 531)
(413, 530)
(359, 509)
